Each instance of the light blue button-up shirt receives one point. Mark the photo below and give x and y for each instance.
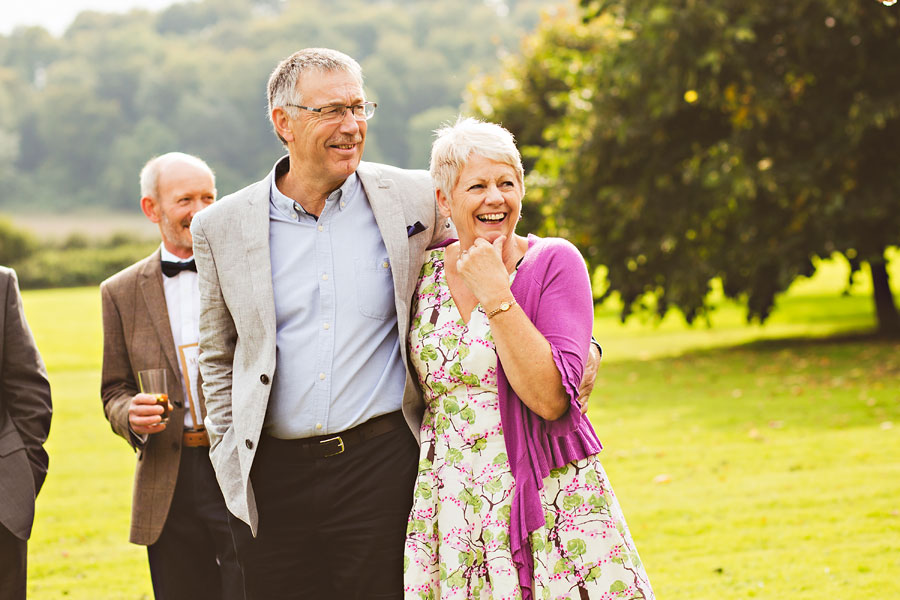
(338, 358)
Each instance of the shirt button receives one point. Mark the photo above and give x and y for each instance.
(324, 276)
(295, 216)
(264, 378)
(343, 204)
(322, 376)
(385, 264)
(326, 326)
(321, 228)
(318, 426)
(249, 444)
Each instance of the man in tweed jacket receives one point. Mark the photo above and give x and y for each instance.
(150, 321)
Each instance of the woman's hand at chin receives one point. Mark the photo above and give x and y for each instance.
(483, 271)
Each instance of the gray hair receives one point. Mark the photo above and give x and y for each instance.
(150, 172)
(450, 151)
(282, 87)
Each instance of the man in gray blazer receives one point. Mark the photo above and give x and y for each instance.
(312, 269)
(306, 279)
(25, 412)
(150, 321)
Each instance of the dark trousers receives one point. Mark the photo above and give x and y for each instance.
(13, 565)
(330, 527)
(194, 557)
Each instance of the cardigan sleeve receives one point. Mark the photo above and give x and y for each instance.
(565, 317)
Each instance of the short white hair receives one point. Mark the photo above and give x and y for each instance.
(282, 88)
(455, 143)
(150, 172)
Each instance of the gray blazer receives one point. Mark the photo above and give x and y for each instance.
(137, 335)
(25, 412)
(237, 310)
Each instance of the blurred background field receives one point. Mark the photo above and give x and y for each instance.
(705, 157)
(750, 461)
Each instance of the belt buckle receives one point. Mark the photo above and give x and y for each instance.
(340, 444)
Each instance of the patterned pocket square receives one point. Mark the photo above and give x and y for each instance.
(412, 230)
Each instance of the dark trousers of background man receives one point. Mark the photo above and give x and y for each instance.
(12, 565)
(194, 557)
(329, 527)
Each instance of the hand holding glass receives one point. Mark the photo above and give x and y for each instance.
(153, 382)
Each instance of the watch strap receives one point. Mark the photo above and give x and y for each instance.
(504, 306)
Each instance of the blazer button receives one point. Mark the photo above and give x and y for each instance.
(249, 444)
(264, 378)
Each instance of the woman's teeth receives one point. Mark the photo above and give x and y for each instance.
(491, 218)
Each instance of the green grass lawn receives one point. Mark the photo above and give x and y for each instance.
(751, 462)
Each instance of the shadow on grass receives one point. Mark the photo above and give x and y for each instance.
(791, 343)
(797, 383)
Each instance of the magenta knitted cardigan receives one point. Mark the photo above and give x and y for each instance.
(553, 288)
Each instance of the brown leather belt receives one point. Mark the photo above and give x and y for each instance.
(323, 446)
(195, 438)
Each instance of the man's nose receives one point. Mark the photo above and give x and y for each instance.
(197, 205)
(349, 122)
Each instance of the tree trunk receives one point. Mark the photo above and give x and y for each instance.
(885, 309)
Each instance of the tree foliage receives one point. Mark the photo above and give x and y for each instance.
(80, 114)
(677, 142)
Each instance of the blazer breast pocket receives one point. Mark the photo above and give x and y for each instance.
(375, 288)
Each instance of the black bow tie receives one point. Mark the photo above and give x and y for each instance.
(171, 269)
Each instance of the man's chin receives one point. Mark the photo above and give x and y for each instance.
(348, 166)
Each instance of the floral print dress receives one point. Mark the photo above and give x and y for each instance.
(457, 543)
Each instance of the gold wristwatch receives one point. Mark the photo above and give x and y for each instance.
(504, 306)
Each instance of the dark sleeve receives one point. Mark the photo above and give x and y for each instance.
(25, 388)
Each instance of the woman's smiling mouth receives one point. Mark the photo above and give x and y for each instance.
(491, 217)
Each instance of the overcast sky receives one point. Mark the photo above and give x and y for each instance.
(56, 15)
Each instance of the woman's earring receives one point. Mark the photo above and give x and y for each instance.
(448, 224)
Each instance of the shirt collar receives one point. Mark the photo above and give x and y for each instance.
(287, 206)
(168, 256)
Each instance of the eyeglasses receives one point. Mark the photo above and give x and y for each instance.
(337, 112)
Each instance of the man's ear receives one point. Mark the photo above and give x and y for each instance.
(151, 209)
(282, 123)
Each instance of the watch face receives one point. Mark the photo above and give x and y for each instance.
(504, 306)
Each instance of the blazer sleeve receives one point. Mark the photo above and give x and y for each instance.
(117, 384)
(218, 338)
(565, 317)
(24, 384)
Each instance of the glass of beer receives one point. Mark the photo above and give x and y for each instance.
(153, 382)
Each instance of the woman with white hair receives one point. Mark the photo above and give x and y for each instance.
(511, 500)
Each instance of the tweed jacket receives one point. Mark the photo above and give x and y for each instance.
(237, 315)
(25, 412)
(137, 336)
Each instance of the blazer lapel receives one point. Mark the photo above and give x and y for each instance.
(155, 300)
(254, 227)
(387, 207)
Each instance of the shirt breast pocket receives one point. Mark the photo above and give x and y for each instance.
(375, 288)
